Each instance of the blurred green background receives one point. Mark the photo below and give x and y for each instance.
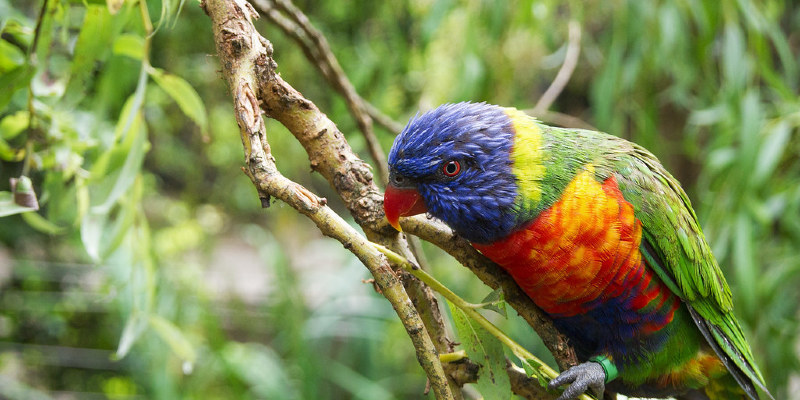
(151, 270)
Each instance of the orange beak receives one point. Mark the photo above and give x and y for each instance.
(403, 202)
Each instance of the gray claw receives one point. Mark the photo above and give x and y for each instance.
(589, 375)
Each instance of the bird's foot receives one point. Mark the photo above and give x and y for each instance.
(589, 375)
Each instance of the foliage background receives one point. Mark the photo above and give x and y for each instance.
(151, 246)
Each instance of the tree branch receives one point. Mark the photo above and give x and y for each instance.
(249, 69)
(560, 119)
(331, 156)
(565, 72)
(469, 309)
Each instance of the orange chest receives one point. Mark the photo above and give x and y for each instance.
(582, 249)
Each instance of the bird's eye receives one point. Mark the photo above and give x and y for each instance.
(451, 168)
(397, 179)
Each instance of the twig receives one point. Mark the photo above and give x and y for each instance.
(382, 119)
(565, 72)
(565, 120)
(246, 60)
(32, 63)
(316, 48)
(465, 306)
(318, 51)
(471, 311)
(488, 272)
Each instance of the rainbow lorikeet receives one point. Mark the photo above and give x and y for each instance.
(596, 232)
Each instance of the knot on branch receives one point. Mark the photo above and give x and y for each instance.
(307, 200)
(248, 114)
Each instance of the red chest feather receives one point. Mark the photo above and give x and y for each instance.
(581, 251)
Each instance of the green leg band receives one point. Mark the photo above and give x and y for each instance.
(608, 366)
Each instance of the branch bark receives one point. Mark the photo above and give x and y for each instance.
(293, 22)
(246, 58)
(248, 67)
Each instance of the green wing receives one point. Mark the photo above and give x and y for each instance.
(674, 246)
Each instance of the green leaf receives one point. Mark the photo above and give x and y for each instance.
(187, 98)
(111, 177)
(7, 153)
(532, 368)
(100, 235)
(11, 56)
(116, 232)
(8, 207)
(12, 125)
(495, 301)
(771, 151)
(129, 45)
(134, 327)
(117, 169)
(176, 340)
(93, 225)
(41, 224)
(95, 41)
(734, 60)
(487, 351)
(262, 369)
(54, 12)
(13, 81)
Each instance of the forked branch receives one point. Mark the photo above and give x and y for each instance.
(248, 67)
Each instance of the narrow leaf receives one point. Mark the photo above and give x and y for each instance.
(93, 47)
(187, 98)
(495, 301)
(13, 81)
(487, 351)
(133, 148)
(771, 151)
(41, 224)
(92, 227)
(176, 340)
(129, 45)
(134, 327)
(8, 207)
(12, 125)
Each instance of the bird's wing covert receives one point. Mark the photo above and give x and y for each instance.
(674, 246)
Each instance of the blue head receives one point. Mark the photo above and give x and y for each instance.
(457, 157)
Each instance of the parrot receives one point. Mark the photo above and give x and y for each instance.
(596, 232)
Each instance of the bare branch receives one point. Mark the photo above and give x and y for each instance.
(561, 79)
(316, 48)
(249, 70)
(560, 119)
(382, 119)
